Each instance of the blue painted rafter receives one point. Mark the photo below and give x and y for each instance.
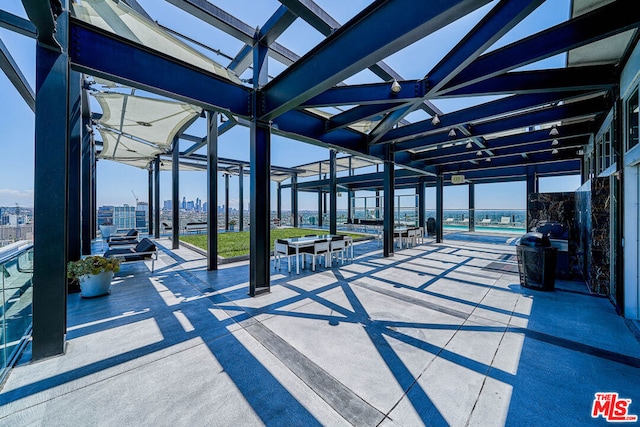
(502, 18)
(593, 77)
(357, 45)
(586, 109)
(17, 24)
(357, 114)
(601, 23)
(373, 93)
(269, 32)
(170, 77)
(231, 25)
(15, 76)
(472, 114)
(519, 140)
(510, 161)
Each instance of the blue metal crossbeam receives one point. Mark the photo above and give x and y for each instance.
(506, 162)
(518, 173)
(126, 62)
(499, 21)
(575, 110)
(601, 23)
(357, 114)
(42, 16)
(357, 45)
(15, 76)
(470, 115)
(270, 31)
(519, 141)
(231, 25)
(591, 78)
(515, 150)
(17, 24)
(374, 93)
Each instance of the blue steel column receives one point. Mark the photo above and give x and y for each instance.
(175, 194)
(389, 199)
(349, 197)
(241, 199)
(50, 201)
(150, 198)
(86, 180)
(472, 207)
(74, 231)
(532, 188)
(156, 199)
(260, 157)
(439, 207)
(333, 193)
(294, 199)
(279, 202)
(422, 205)
(212, 190)
(320, 196)
(226, 201)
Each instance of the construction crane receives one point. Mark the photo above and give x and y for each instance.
(135, 197)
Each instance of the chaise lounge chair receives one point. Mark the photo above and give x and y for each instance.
(130, 238)
(145, 250)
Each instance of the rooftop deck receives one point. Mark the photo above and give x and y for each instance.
(440, 334)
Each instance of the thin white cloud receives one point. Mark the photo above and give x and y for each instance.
(9, 197)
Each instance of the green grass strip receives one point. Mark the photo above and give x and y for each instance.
(237, 244)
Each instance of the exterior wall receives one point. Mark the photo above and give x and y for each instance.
(560, 208)
(629, 81)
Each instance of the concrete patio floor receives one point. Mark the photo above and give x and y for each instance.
(439, 334)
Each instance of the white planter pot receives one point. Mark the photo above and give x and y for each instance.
(95, 285)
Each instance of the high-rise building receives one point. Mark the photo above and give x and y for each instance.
(184, 203)
(124, 217)
(105, 215)
(168, 205)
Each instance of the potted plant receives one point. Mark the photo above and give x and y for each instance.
(94, 273)
(232, 224)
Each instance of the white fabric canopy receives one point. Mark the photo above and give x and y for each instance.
(153, 120)
(118, 18)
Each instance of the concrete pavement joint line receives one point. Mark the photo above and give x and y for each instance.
(343, 400)
(493, 359)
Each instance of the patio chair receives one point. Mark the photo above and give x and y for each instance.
(485, 221)
(337, 248)
(130, 238)
(412, 237)
(282, 249)
(505, 220)
(145, 250)
(320, 247)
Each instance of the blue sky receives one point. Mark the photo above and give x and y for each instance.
(116, 182)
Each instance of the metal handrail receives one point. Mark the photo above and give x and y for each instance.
(14, 250)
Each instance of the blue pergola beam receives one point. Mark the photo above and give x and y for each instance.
(319, 19)
(374, 93)
(231, 25)
(359, 113)
(517, 150)
(126, 62)
(583, 78)
(599, 24)
(17, 24)
(269, 32)
(470, 115)
(505, 162)
(518, 173)
(499, 21)
(9, 66)
(583, 129)
(357, 45)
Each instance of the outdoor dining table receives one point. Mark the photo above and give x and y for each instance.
(398, 232)
(306, 241)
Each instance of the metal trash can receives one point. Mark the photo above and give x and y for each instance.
(537, 261)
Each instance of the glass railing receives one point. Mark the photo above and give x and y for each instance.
(16, 273)
(491, 220)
